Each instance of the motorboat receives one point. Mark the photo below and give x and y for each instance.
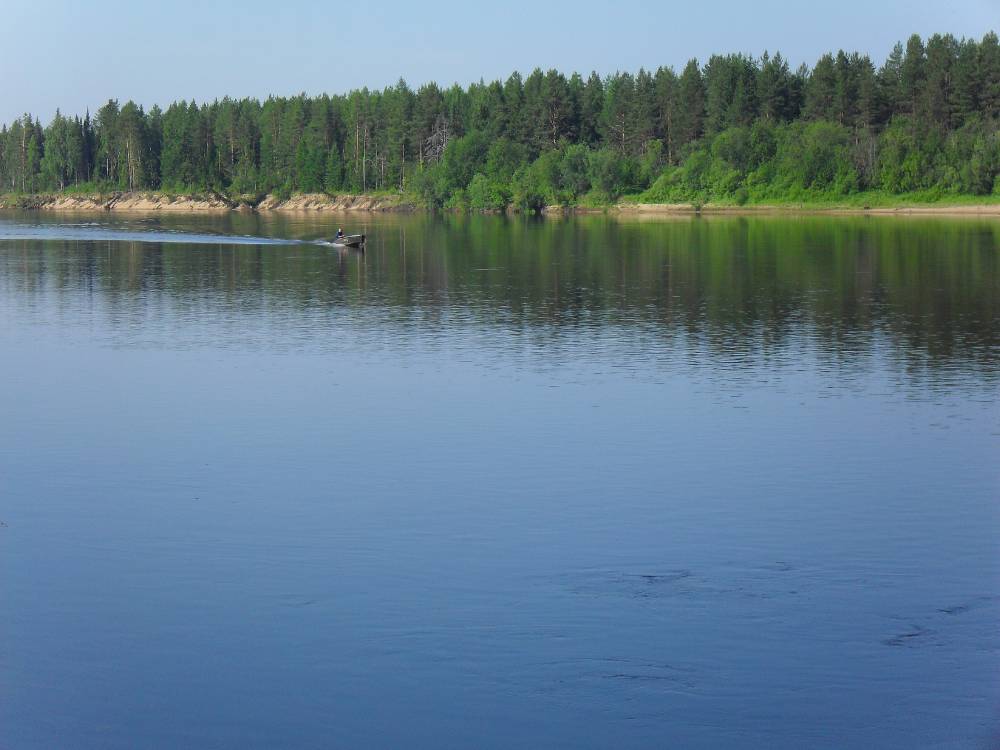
(350, 240)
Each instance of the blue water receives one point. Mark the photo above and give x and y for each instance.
(725, 483)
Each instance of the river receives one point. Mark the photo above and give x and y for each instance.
(725, 482)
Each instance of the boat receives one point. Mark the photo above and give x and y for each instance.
(350, 240)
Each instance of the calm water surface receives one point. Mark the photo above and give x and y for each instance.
(702, 483)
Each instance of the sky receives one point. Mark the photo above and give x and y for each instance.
(72, 55)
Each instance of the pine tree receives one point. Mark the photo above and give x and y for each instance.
(911, 75)
(821, 90)
(645, 124)
(847, 88)
(617, 118)
(773, 81)
(557, 108)
(88, 140)
(665, 83)
(989, 75)
(868, 103)
(965, 90)
(890, 84)
(536, 127)
(690, 105)
(333, 177)
(937, 94)
(591, 107)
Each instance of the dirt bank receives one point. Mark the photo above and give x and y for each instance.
(148, 201)
(119, 202)
(321, 202)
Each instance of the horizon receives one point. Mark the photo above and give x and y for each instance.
(224, 59)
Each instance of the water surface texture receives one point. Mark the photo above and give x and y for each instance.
(695, 483)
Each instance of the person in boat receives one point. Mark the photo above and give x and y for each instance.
(340, 234)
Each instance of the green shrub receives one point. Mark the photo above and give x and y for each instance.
(484, 195)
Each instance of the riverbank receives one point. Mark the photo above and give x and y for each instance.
(148, 201)
(947, 209)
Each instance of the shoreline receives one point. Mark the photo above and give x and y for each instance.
(209, 202)
(957, 209)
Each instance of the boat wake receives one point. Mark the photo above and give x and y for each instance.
(104, 233)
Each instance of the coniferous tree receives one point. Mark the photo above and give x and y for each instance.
(591, 107)
(774, 88)
(617, 117)
(645, 125)
(868, 103)
(966, 84)
(557, 108)
(690, 104)
(821, 90)
(989, 76)
(890, 84)
(665, 84)
(89, 144)
(937, 96)
(535, 126)
(911, 75)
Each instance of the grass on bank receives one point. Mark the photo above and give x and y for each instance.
(808, 199)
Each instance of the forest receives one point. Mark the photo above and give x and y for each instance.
(736, 129)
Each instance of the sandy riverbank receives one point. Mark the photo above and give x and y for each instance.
(207, 202)
(119, 202)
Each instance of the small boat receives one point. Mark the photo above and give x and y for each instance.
(350, 240)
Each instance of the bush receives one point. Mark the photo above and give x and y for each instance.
(503, 159)
(902, 163)
(528, 195)
(457, 201)
(651, 163)
(484, 195)
(611, 173)
(733, 146)
(574, 173)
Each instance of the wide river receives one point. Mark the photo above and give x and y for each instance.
(499, 483)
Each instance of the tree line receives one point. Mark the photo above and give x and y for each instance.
(737, 127)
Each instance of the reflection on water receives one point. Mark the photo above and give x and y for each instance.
(722, 482)
(721, 287)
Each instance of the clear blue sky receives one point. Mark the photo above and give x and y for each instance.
(74, 55)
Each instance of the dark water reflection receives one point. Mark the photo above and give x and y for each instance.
(928, 288)
(694, 483)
